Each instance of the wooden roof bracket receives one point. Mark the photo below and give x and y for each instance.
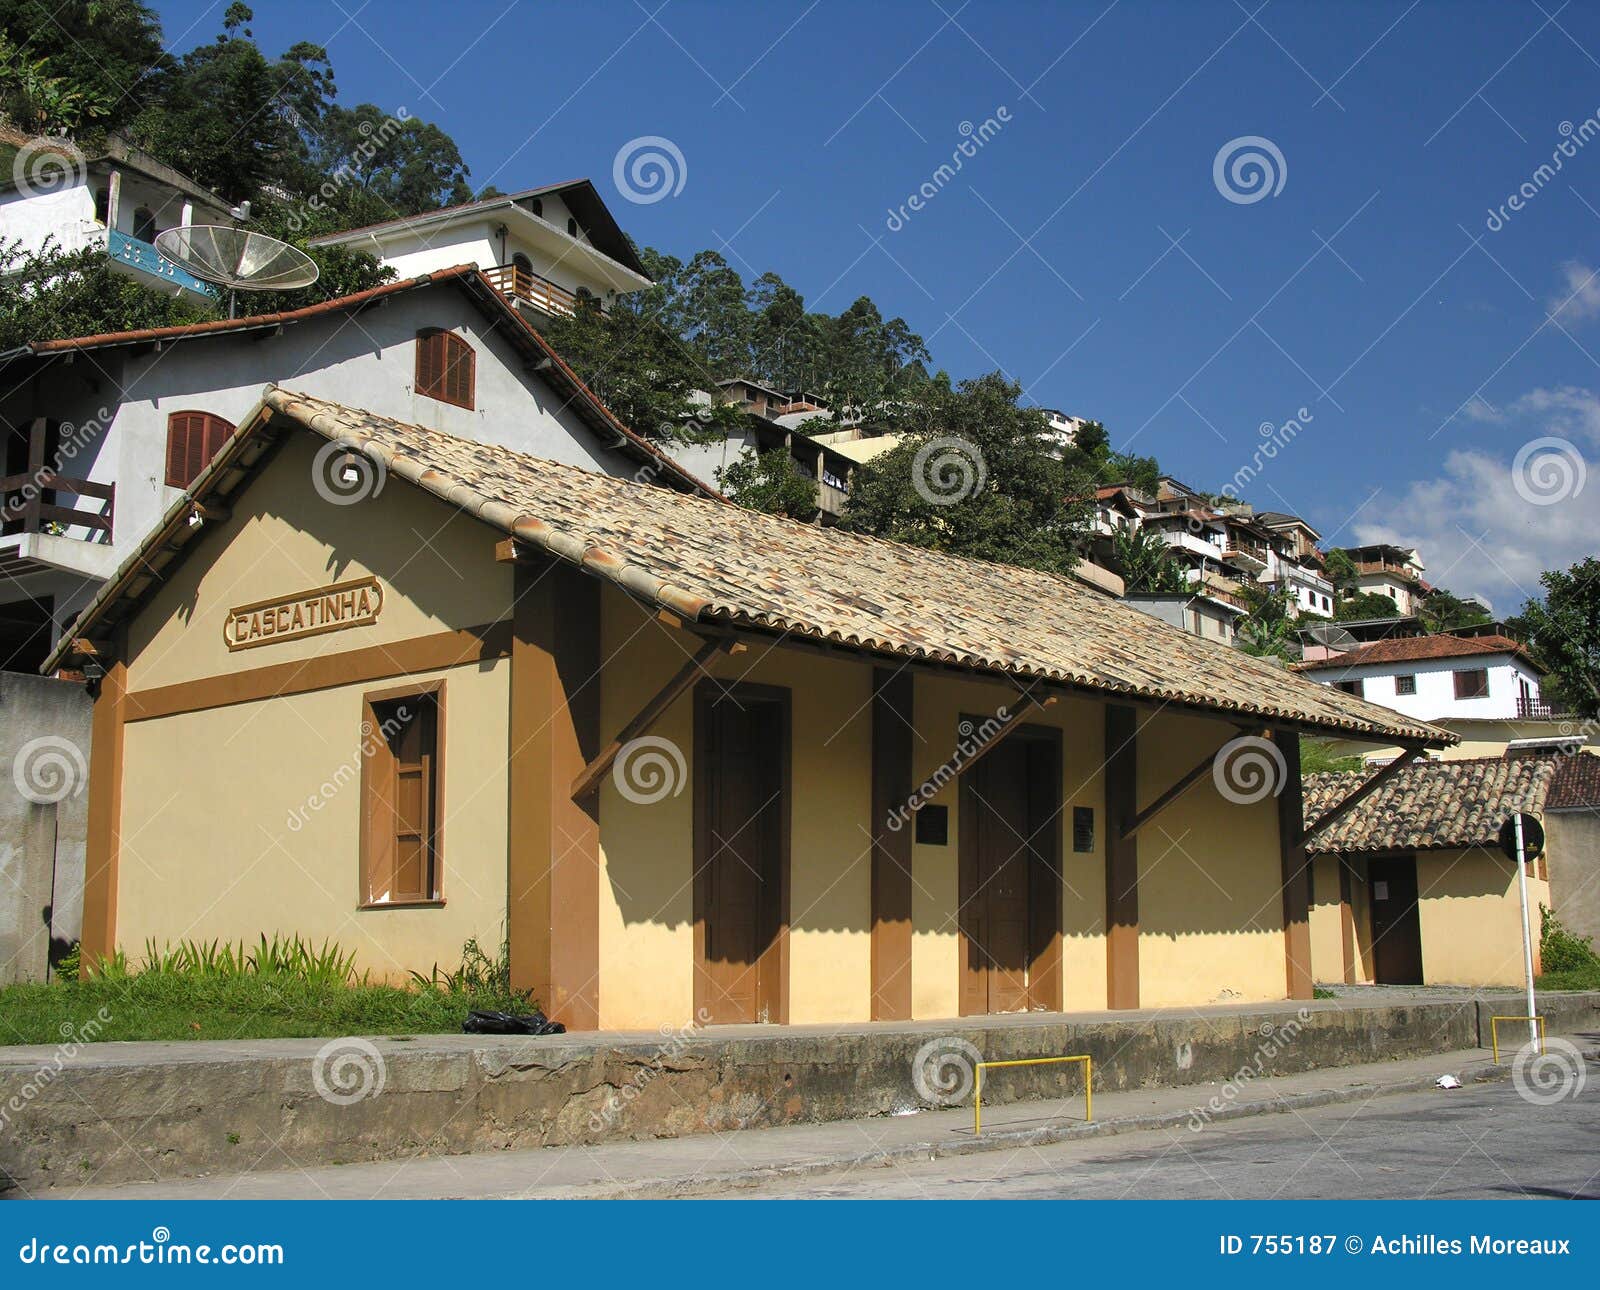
(588, 780)
(1026, 698)
(1184, 784)
(1369, 786)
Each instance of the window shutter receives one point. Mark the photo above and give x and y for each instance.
(446, 368)
(193, 439)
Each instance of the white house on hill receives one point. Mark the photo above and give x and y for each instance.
(539, 247)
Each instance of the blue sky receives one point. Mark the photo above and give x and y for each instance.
(1086, 248)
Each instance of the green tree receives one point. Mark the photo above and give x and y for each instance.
(383, 167)
(52, 294)
(1368, 604)
(1442, 612)
(640, 370)
(771, 482)
(1145, 562)
(1563, 630)
(1339, 568)
(1267, 629)
(984, 484)
(1144, 473)
(67, 63)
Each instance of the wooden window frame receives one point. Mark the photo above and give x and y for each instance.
(209, 422)
(453, 348)
(371, 727)
(1356, 688)
(1461, 692)
(1405, 683)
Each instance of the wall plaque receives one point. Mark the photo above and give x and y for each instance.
(304, 613)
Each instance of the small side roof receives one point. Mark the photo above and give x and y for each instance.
(1576, 785)
(1416, 649)
(1430, 804)
(721, 565)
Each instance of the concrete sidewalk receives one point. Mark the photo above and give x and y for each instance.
(706, 1164)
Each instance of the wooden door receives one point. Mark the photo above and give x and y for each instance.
(1396, 928)
(1011, 877)
(741, 860)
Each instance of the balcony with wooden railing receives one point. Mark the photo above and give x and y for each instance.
(519, 284)
(32, 503)
(1530, 709)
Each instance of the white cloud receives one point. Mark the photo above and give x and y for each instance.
(1579, 298)
(1492, 522)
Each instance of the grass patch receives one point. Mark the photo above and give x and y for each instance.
(1582, 979)
(283, 988)
(1569, 960)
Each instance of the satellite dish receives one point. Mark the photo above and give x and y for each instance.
(1332, 636)
(237, 258)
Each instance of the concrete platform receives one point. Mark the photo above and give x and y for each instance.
(121, 1113)
(716, 1164)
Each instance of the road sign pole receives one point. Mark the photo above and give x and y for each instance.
(1527, 932)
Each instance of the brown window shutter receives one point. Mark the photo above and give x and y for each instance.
(446, 368)
(193, 439)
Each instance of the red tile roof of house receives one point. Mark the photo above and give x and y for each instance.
(1410, 649)
(1576, 785)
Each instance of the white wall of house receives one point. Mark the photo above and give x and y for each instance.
(66, 214)
(1385, 584)
(1435, 697)
(365, 360)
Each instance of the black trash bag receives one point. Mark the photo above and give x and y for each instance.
(503, 1023)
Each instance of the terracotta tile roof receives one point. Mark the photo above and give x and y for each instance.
(1408, 649)
(1576, 785)
(1430, 804)
(720, 564)
(510, 322)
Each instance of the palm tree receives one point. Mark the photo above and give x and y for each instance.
(1145, 562)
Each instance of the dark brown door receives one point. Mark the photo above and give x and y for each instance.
(1396, 929)
(741, 853)
(1010, 877)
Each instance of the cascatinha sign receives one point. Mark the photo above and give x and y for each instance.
(305, 613)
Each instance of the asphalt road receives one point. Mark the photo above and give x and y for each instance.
(1480, 1141)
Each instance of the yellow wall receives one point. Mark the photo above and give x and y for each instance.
(436, 565)
(1327, 928)
(244, 819)
(1471, 917)
(1210, 904)
(1210, 897)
